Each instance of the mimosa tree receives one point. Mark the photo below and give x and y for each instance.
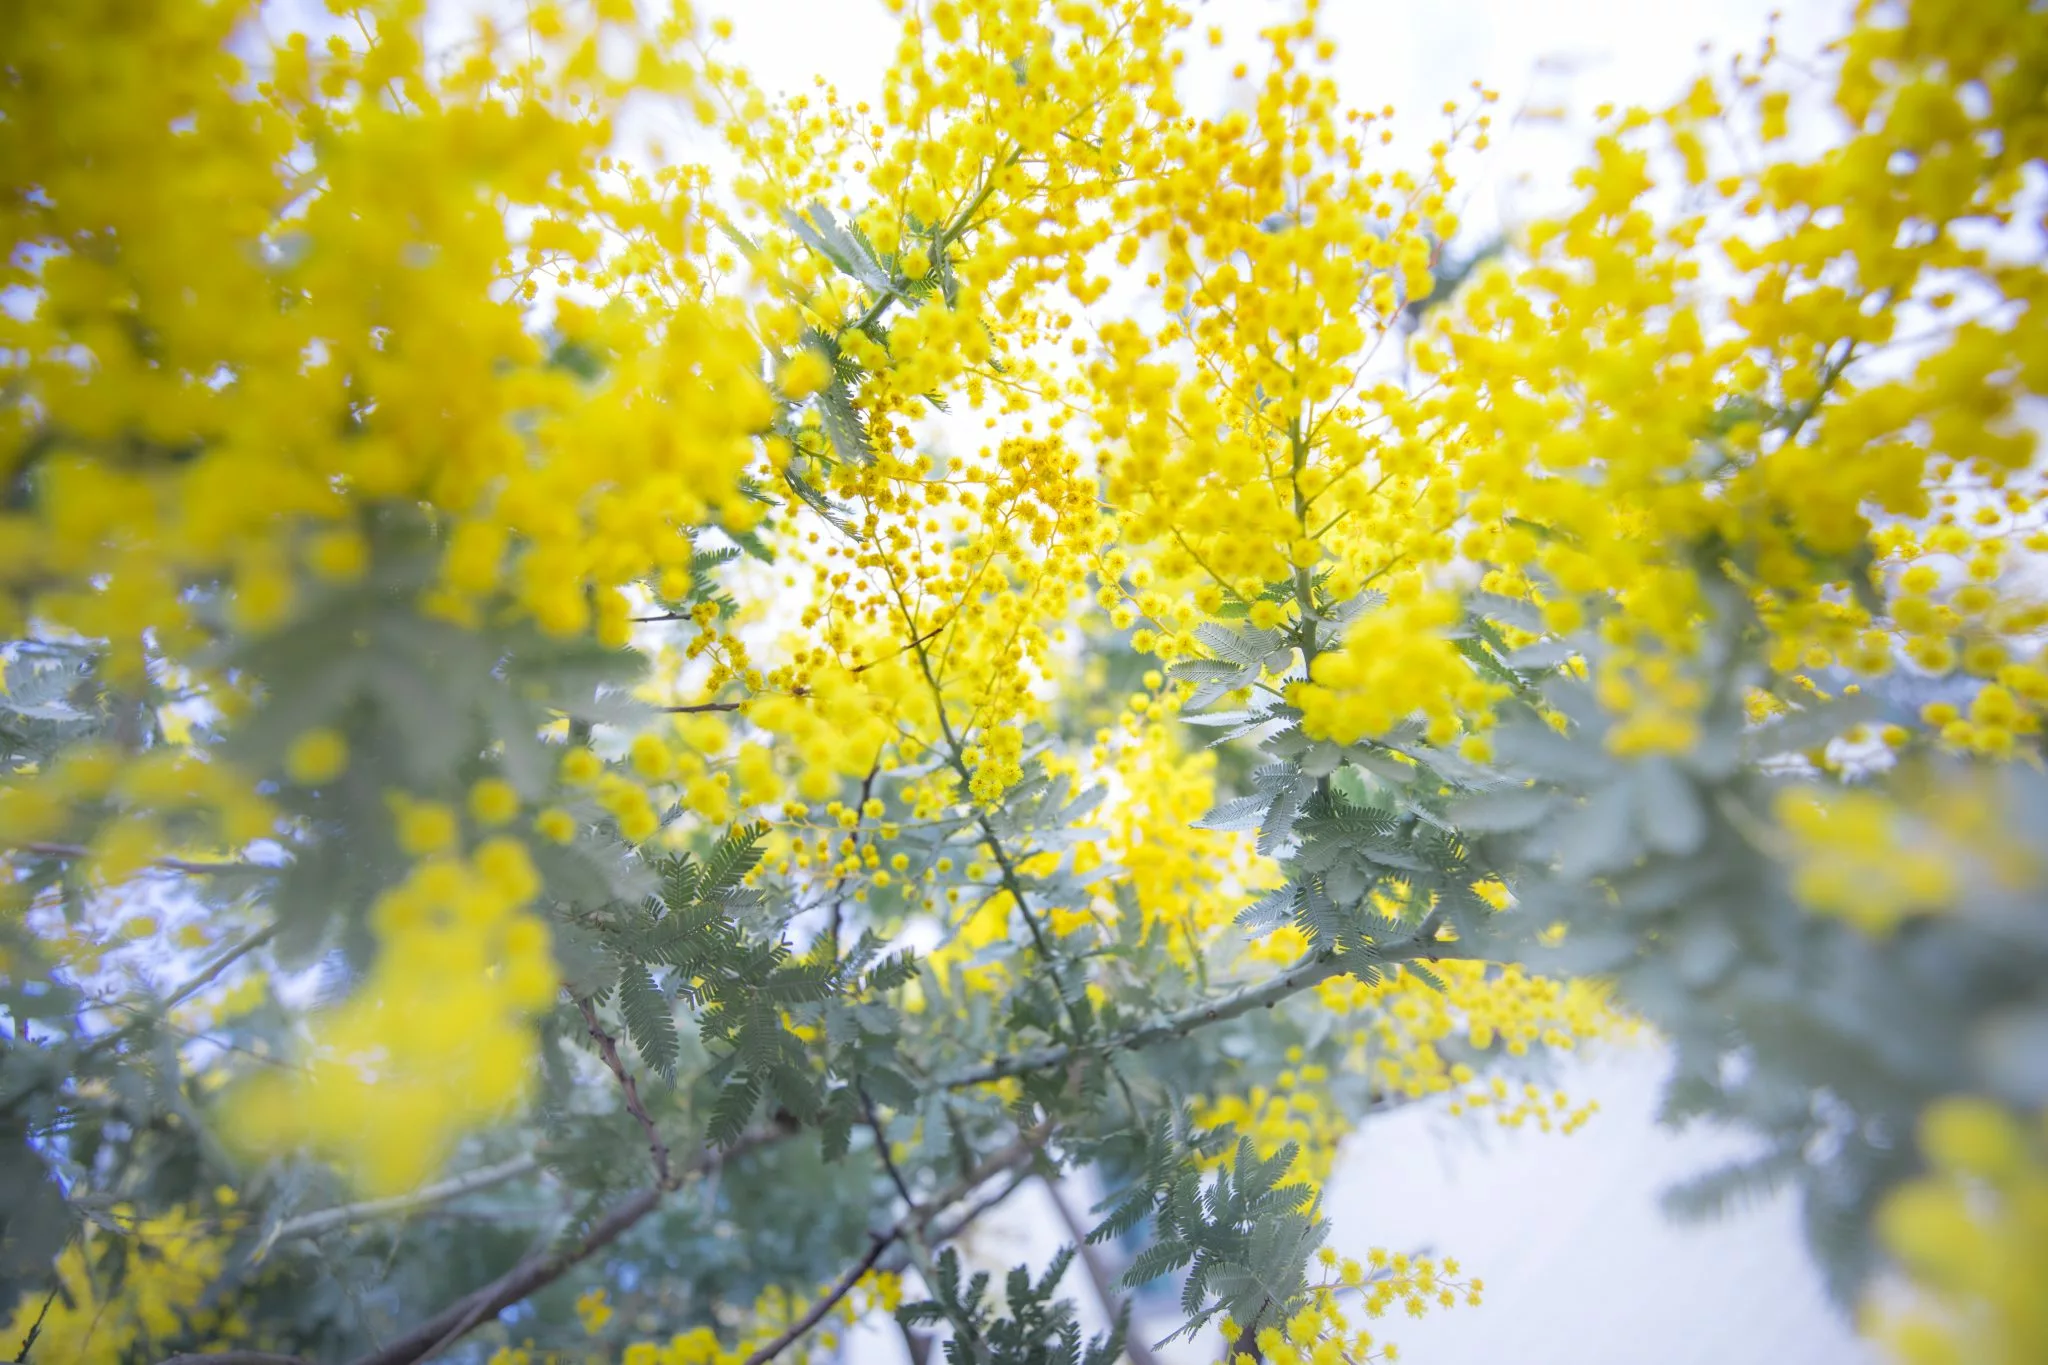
(628, 703)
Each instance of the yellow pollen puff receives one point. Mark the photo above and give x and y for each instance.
(423, 826)
(340, 555)
(493, 801)
(316, 756)
(804, 374)
(581, 767)
(555, 825)
(651, 758)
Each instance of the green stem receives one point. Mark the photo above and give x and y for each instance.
(946, 237)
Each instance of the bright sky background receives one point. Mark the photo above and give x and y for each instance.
(1540, 55)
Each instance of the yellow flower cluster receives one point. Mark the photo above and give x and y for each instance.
(1726, 378)
(1296, 1108)
(1395, 664)
(1401, 1023)
(435, 1039)
(1252, 441)
(1857, 857)
(1877, 858)
(967, 581)
(1531, 1105)
(1483, 1005)
(879, 1291)
(1188, 883)
(987, 173)
(1239, 422)
(271, 293)
(839, 727)
(171, 1261)
(1320, 1331)
(240, 344)
(593, 1310)
(1973, 1232)
(130, 809)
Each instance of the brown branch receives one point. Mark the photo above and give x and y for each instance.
(961, 1221)
(918, 1345)
(913, 1220)
(186, 865)
(1309, 972)
(897, 653)
(537, 1272)
(1247, 1343)
(608, 1048)
(812, 1316)
(698, 708)
(236, 1358)
(1113, 1304)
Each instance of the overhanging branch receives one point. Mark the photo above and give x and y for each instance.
(426, 1196)
(1304, 975)
(608, 1048)
(536, 1272)
(914, 1220)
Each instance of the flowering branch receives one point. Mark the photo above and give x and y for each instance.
(1304, 975)
(812, 1316)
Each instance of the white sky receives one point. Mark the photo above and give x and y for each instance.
(1538, 54)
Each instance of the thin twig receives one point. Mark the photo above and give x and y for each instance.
(812, 1316)
(35, 1329)
(608, 1048)
(914, 1219)
(207, 976)
(966, 1218)
(185, 865)
(867, 789)
(1302, 976)
(698, 708)
(956, 753)
(440, 1192)
(882, 1148)
(446, 1327)
(922, 639)
(209, 973)
(1113, 1304)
